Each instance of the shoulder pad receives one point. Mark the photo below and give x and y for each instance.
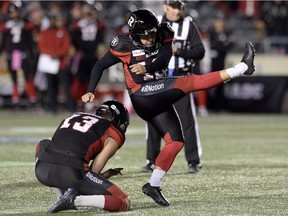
(188, 18)
(166, 31)
(121, 42)
(160, 17)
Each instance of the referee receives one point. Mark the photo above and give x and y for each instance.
(187, 51)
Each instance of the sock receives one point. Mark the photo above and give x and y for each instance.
(59, 193)
(237, 70)
(97, 201)
(156, 177)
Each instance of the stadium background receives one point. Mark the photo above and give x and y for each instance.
(267, 91)
(245, 155)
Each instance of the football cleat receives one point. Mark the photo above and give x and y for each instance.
(66, 202)
(155, 194)
(248, 58)
(194, 168)
(148, 168)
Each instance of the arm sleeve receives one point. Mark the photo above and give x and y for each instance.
(106, 61)
(65, 45)
(162, 60)
(41, 42)
(197, 50)
(116, 135)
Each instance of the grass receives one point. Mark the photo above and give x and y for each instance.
(245, 168)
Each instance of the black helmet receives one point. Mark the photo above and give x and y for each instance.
(115, 112)
(142, 22)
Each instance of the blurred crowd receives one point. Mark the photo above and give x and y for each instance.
(73, 35)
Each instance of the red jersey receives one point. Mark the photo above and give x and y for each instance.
(56, 43)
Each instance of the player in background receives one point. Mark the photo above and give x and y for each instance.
(18, 45)
(145, 53)
(88, 37)
(74, 157)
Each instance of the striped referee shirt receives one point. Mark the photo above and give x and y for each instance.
(188, 40)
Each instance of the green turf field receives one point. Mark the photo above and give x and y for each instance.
(245, 171)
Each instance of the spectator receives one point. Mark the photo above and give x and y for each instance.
(219, 44)
(275, 16)
(55, 43)
(205, 67)
(88, 34)
(41, 23)
(18, 43)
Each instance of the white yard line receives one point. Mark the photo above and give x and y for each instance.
(41, 130)
(16, 164)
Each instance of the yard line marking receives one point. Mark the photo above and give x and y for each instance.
(16, 164)
(41, 130)
(29, 140)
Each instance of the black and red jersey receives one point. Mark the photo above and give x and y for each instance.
(17, 36)
(79, 139)
(87, 35)
(124, 49)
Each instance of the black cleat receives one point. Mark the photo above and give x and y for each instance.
(155, 194)
(148, 168)
(66, 202)
(194, 168)
(248, 58)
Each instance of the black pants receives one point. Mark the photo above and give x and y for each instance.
(54, 81)
(185, 109)
(26, 66)
(153, 101)
(64, 177)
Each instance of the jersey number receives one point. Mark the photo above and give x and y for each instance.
(83, 126)
(16, 34)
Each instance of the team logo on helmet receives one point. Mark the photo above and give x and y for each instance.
(115, 112)
(131, 21)
(115, 41)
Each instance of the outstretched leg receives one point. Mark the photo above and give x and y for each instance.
(210, 80)
(153, 98)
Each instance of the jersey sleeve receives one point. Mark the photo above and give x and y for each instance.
(121, 46)
(106, 61)
(116, 135)
(166, 33)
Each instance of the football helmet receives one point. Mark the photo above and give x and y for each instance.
(115, 112)
(143, 22)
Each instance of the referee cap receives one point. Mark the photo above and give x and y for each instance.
(174, 3)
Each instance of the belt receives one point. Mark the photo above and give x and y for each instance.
(66, 153)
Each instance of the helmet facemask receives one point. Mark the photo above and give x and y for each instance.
(104, 112)
(116, 113)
